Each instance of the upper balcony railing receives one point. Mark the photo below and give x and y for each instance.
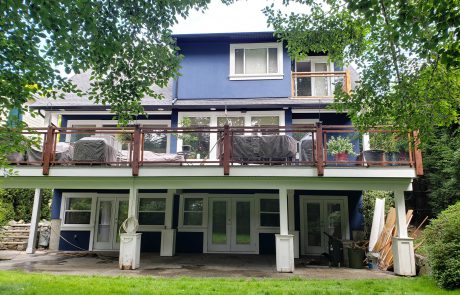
(319, 84)
(317, 146)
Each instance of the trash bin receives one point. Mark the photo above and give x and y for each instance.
(356, 257)
(335, 247)
(130, 250)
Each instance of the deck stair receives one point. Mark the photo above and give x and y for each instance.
(14, 236)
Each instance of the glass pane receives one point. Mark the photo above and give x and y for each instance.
(265, 121)
(193, 204)
(198, 142)
(155, 142)
(314, 224)
(334, 220)
(320, 82)
(193, 218)
(148, 204)
(273, 60)
(303, 86)
(269, 205)
(256, 61)
(231, 121)
(239, 61)
(219, 222)
(77, 217)
(79, 203)
(270, 219)
(76, 136)
(303, 66)
(122, 215)
(105, 217)
(152, 218)
(243, 222)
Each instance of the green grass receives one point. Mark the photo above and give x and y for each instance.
(13, 282)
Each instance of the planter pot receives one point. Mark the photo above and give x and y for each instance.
(392, 158)
(356, 258)
(341, 157)
(374, 157)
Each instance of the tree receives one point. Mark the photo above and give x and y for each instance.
(127, 45)
(408, 53)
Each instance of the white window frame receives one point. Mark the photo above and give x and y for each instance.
(88, 226)
(259, 227)
(101, 123)
(204, 221)
(213, 123)
(279, 75)
(153, 227)
(330, 68)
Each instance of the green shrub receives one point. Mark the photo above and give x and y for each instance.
(369, 205)
(442, 245)
(17, 204)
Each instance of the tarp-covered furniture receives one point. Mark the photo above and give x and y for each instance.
(63, 153)
(89, 150)
(151, 158)
(263, 148)
(306, 148)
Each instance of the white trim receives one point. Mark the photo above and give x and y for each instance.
(278, 75)
(315, 111)
(345, 216)
(149, 227)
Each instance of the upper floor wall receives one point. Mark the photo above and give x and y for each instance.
(219, 66)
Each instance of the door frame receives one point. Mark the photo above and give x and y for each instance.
(231, 226)
(115, 198)
(345, 216)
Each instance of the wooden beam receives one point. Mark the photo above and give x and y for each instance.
(227, 148)
(136, 151)
(418, 155)
(48, 150)
(319, 149)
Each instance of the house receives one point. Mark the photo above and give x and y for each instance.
(235, 159)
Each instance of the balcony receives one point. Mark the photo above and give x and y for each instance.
(267, 147)
(319, 84)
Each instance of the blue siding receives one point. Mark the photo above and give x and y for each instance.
(205, 71)
(56, 204)
(267, 243)
(150, 241)
(189, 242)
(74, 238)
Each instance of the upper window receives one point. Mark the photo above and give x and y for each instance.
(77, 211)
(256, 61)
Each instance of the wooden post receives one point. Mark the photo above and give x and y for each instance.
(136, 150)
(418, 155)
(347, 82)
(48, 150)
(319, 149)
(227, 150)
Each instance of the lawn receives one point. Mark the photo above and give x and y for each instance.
(12, 282)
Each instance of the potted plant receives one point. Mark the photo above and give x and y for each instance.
(340, 147)
(385, 146)
(377, 141)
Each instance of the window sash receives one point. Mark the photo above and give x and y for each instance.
(256, 61)
(192, 212)
(68, 212)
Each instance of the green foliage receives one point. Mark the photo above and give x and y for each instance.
(407, 52)
(127, 46)
(340, 144)
(441, 161)
(368, 206)
(17, 204)
(442, 244)
(387, 142)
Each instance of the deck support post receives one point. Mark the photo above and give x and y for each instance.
(402, 246)
(130, 243)
(284, 241)
(291, 216)
(35, 219)
(168, 235)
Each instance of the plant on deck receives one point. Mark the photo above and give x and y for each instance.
(340, 144)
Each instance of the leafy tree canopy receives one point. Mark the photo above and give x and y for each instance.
(408, 53)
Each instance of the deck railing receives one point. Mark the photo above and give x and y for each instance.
(319, 84)
(226, 147)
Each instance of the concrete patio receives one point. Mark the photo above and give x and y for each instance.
(193, 265)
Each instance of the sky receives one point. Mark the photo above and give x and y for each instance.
(241, 16)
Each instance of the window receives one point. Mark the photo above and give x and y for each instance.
(256, 61)
(154, 141)
(193, 211)
(315, 85)
(77, 211)
(197, 142)
(152, 211)
(78, 135)
(269, 212)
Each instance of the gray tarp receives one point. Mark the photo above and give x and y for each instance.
(94, 149)
(306, 148)
(63, 153)
(264, 147)
(155, 157)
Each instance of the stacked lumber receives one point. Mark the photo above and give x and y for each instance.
(384, 242)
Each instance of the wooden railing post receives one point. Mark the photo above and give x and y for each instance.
(136, 150)
(417, 155)
(319, 149)
(48, 150)
(227, 147)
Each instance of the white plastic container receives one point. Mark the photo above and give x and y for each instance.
(130, 251)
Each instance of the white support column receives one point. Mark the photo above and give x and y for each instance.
(291, 216)
(130, 243)
(168, 234)
(403, 246)
(284, 241)
(132, 202)
(34, 221)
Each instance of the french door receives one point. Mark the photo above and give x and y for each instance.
(315, 85)
(111, 212)
(231, 225)
(320, 215)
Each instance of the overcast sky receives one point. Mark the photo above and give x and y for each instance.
(242, 16)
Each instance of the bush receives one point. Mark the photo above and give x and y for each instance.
(369, 206)
(442, 245)
(17, 204)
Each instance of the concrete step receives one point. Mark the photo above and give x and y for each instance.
(13, 243)
(14, 231)
(13, 237)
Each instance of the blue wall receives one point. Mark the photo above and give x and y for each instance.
(205, 71)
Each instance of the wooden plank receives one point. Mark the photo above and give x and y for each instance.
(418, 155)
(48, 150)
(319, 149)
(387, 230)
(136, 150)
(227, 147)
